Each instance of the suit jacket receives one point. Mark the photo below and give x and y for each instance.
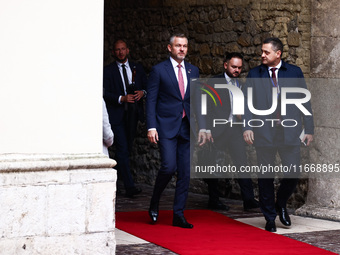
(259, 79)
(164, 104)
(113, 88)
(220, 111)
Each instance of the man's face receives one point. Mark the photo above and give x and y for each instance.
(178, 49)
(269, 56)
(233, 67)
(121, 51)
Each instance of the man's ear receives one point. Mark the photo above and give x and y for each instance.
(169, 47)
(279, 54)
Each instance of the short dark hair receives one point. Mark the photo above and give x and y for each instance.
(120, 40)
(275, 42)
(231, 55)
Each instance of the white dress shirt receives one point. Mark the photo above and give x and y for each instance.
(184, 73)
(129, 75)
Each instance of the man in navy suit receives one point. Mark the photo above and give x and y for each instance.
(229, 137)
(168, 115)
(274, 136)
(124, 84)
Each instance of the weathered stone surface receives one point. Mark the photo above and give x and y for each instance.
(245, 40)
(324, 189)
(324, 60)
(252, 28)
(72, 197)
(320, 212)
(206, 64)
(57, 211)
(229, 37)
(239, 27)
(326, 149)
(325, 18)
(294, 39)
(217, 50)
(231, 47)
(223, 25)
(89, 244)
(99, 214)
(213, 15)
(327, 198)
(18, 216)
(204, 49)
(325, 99)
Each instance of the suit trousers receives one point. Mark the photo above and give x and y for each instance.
(232, 142)
(175, 158)
(122, 154)
(290, 157)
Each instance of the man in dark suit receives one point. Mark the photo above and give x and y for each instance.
(124, 84)
(168, 115)
(272, 76)
(229, 137)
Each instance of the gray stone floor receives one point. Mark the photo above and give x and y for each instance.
(320, 233)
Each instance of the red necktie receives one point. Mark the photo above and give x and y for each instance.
(278, 110)
(181, 84)
(274, 76)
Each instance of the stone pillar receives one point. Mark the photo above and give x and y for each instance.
(323, 199)
(57, 204)
(57, 189)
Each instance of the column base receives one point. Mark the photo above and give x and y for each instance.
(314, 211)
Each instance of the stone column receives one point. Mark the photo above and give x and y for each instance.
(57, 189)
(323, 199)
(57, 204)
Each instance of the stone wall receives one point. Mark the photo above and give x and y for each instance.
(57, 204)
(213, 28)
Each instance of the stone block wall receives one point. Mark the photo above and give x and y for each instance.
(213, 28)
(57, 204)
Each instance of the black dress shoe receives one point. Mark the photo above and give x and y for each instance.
(283, 215)
(270, 226)
(153, 212)
(250, 204)
(180, 221)
(217, 205)
(133, 191)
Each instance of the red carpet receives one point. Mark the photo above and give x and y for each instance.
(213, 233)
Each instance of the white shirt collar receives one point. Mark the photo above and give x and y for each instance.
(277, 67)
(126, 64)
(227, 77)
(175, 63)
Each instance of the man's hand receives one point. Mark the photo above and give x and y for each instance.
(129, 98)
(202, 138)
(248, 136)
(309, 139)
(210, 137)
(138, 95)
(153, 136)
